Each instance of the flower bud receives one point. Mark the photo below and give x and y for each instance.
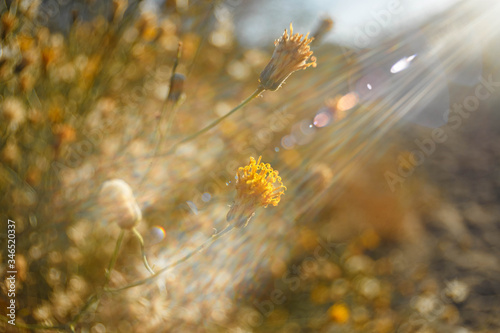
(118, 201)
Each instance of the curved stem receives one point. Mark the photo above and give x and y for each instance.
(144, 259)
(97, 296)
(92, 299)
(193, 136)
(171, 117)
(114, 257)
(164, 108)
(163, 111)
(200, 248)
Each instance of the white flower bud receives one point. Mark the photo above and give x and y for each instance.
(118, 201)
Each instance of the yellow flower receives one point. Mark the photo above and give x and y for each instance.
(290, 55)
(257, 184)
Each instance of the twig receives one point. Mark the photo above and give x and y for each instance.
(193, 136)
(175, 263)
(114, 257)
(144, 259)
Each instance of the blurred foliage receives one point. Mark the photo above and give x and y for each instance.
(83, 99)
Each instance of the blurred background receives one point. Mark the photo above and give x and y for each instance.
(388, 149)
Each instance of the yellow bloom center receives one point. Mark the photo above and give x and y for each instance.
(258, 183)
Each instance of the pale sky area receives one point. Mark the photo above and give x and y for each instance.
(268, 17)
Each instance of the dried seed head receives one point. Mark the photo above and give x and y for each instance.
(118, 201)
(257, 184)
(290, 54)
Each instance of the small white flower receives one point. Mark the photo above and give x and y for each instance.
(118, 201)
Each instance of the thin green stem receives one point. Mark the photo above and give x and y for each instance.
(167, 100)
(95, 298)
(219, 120)
(200, 248)
(171, 117)
(114, 257)
(216, 122)
(200, 132)
(91, 300)
(163, 111)
(144, 259)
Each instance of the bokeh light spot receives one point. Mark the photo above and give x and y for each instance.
(206, 197)
(322, 119)
(288, 142)
(402, 64)
(349, 100)
(157, 234)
